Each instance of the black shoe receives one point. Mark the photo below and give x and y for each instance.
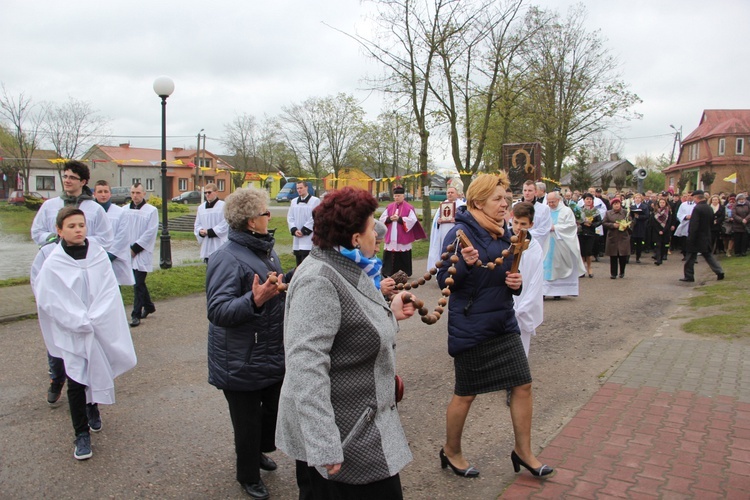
(687, 280)
(543, 471)
(54, 392)
(614, 277)
(637, 261)
(267, 463)
(657, 263)
(720, 276)
(622, 275)
(148, 310)
(83, 446)
(468, 472)
(256, 490)
(135, 321)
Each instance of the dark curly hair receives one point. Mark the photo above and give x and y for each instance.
(341, 214)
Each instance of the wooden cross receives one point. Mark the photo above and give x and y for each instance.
(518, 244)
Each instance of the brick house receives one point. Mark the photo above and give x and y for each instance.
(44, 175)
(123, 165)
(718, 145)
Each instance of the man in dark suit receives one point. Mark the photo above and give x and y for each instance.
(699, 238)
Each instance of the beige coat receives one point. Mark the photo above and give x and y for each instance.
(618, 242)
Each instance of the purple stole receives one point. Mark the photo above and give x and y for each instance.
(404, 237)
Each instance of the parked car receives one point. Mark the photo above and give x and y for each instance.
(289, 191)
(120, 195)
(17, 197)
(384, 196)
(188, 197)
(438, 195)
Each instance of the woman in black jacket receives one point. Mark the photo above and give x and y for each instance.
(720, 213)
(245, 333)
(661, 222)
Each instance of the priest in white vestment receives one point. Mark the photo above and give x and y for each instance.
(210, 226)
(540, 231)
(300, 221)
(442, 223)
(562, 263)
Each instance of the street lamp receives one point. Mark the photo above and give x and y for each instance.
(164, 86)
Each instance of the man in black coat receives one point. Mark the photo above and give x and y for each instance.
(699, 238)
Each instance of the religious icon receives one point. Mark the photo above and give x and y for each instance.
(447, 212)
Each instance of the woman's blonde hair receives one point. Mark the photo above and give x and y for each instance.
(484, 186)
(243, 205)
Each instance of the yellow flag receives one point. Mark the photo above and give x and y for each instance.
(732, 178)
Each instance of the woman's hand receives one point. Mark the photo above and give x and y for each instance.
(332, 469)
(268, 290)
(470, 255)
(513, 280)
(401, 310)
(387, 287)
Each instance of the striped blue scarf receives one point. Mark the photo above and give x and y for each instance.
(371, 267)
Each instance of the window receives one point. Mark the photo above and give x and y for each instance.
(203, 162)
(220, 183)
(136, 180)
(149, 184)
(45, 182)
(182, 184)
(740, 146)
(694, 151)
(722, 146)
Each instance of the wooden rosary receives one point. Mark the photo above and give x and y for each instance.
(519, 243)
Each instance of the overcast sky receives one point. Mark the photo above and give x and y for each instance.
(232, 57)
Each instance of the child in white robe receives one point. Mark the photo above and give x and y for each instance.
(529, 305)
(83, 321)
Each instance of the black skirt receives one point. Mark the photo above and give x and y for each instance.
(586, 242)
(495, 364)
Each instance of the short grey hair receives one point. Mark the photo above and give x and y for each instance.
(380, 230)
(243, 205)
(554, 194)
(541, 187)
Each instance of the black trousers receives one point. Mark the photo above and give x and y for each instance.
(254, 421)
(313, 486)
(637, 245)
(141, 297)
(613, 261)
(740, 242)
(710, 259)
(300, 255)
(77, 405)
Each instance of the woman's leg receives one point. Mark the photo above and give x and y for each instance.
(455, 418)
(623, 260)
(245, 412)
(613, 266)
(521, 410)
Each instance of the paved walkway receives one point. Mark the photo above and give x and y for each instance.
(673, 421)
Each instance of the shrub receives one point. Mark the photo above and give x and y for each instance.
(33, 203)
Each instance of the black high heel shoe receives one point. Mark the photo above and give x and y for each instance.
(468, 472)
(543, 471)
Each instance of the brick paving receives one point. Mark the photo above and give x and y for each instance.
(673, 421)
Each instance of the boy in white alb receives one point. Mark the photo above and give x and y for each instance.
(83, 321)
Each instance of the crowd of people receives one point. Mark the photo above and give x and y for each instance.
(306, 359)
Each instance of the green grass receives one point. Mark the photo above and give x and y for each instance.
(723, 307)
(14, 282)
(167, 283)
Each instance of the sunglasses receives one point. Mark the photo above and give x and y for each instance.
(267, 213)
(208, 192)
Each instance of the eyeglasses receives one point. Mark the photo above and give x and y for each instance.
(208, 192)
(267, 213)
(71, 178)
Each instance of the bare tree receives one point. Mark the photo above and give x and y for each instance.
(577, 91)
(72, 128)
(406, 44)
(342, 125)
(241, 141)
(304, 130)
(603, 146)
(24, 123)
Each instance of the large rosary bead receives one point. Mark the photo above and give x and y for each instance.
(514, 239)
(449, 282)
(433, 270)
(422, 281)
(423, 311)
(506, 252)
(281, 287)
(451, 247)
(407, 286)
(426, 320)
(444, 256)
(454, 258)
(438, 265)
(439, 309)
(452, 270)
(427, 276)
(446, 292)
(491, 266)
(499, 261)
(478, 263)
(442, 301)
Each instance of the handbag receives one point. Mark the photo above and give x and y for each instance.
(726, 227)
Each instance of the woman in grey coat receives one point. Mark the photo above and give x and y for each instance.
(337, 412)
(618, 238)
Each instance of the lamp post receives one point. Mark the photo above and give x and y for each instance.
(164, 86)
